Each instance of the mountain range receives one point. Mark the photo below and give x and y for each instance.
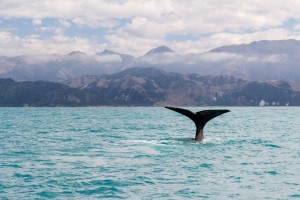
(149, 87)
(260, 61)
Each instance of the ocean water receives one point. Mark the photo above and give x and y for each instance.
(147, 153)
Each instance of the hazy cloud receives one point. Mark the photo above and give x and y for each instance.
(108, 58)
(217, 57)
(40, 59)
(268, 58)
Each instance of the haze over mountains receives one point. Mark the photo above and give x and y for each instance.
(262, 60)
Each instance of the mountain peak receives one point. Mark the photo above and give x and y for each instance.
(161, 49)
(76, 53)
(263, 47)
(107, 52)
(125, 57)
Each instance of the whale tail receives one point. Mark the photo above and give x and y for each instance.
(199, 118)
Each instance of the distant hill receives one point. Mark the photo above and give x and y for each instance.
(261, 61)
(40, 93)
(152, 86)
(149, 87)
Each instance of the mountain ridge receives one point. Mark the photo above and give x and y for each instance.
(263, 47)
(260, 60)
(149, 87)
(152, 86)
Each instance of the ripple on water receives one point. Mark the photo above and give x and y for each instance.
(104, 189)
(273, 146)
(295, 196)
(272, 172)
(207, 165)
(47, 194)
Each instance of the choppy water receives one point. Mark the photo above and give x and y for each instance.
(146, 153)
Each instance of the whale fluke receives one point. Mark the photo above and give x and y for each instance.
(199, 118)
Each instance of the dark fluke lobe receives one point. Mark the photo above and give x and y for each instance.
(199, 118)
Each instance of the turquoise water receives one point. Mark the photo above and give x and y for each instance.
(146, 153)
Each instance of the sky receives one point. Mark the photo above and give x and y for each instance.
(136, 26)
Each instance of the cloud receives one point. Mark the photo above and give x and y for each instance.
(107, 58)
(163, 58)
(177, 16)
(124, 42)
(64, 23)
(136, 26)
(217, 57)
(94, 23)
(9, 43)
(36, 22)
(40, 59)
(12, 45)
(275, 58)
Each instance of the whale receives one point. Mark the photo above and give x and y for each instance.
(199, 118)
